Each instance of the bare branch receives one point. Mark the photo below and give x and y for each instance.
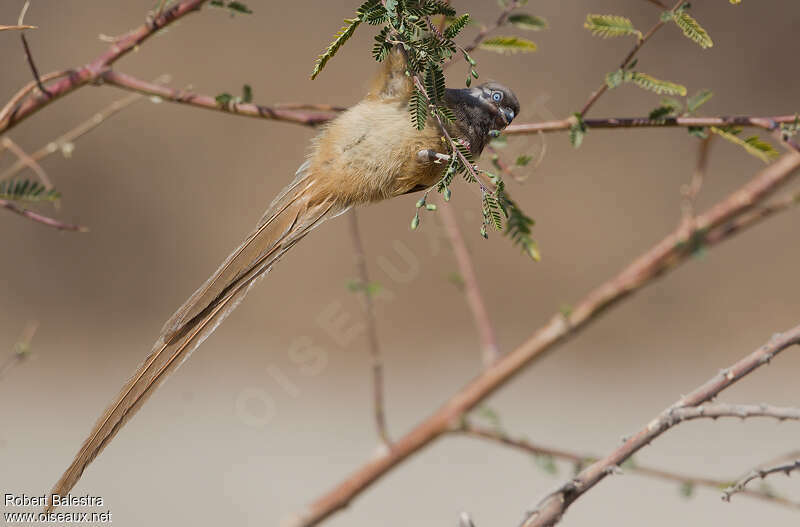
(372, 331)
(91, 72)
(739, 486)
(32, 65)
(742, 411)
(550, 509)
(289, 113)
(62, 142)
(26, 161)
(580, 460)
(50, 222)
(668, 254)
(17, 27)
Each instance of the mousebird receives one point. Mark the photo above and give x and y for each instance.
(367, 154)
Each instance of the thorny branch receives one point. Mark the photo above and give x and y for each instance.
(550, 509)
(759, 473)
(581, 460)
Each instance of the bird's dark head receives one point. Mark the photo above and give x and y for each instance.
(500, 101)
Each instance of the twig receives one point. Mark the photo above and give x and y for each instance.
(17, 98)
(78, 131)
(742, 411)
(50, 222)
(490, 351)
(579, 460)
(550, 509)
(560, 125)
(32, 64)
(26, 161)
(25, 6)
(372, 332)
(311, 117)
(664, 256)
(641, 42)
(92, 72)
(739, 486)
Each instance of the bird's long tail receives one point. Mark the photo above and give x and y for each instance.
(293, 214)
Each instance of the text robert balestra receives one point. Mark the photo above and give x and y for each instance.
(56, 500)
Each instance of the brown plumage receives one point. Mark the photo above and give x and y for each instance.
(367, 154)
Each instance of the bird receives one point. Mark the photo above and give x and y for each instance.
(368, 153)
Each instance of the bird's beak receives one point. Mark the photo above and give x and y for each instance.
(508, 114)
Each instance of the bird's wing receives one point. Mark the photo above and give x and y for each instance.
(293, 214)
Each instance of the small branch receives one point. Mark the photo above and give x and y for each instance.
(289, 113)
(742, 411)
(579, 460)
(761, 473)
(50, 222)
(26, 161)
(490, 351)
(667, 254)
(551, 508)
(32, 65)
(560, 125)
(372, 332)
(73, 134)
(641, 42)
(91, 72)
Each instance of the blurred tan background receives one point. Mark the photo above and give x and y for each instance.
(244, 435)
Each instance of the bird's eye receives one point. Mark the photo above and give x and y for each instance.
(497, 96)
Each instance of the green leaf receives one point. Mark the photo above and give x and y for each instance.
(698, 131)
(434, 83)
(247, 93)
(698, 99)
(234, 7)
(526, 21)
(508, 45)
(652, 84)
(418, 106)
(381, 48)
(692, 29)
(615, 78)
(523, 160)
(754, 145)
(224, 99)
(686, 489)
(606, 26)
(26, 190)
(456, 26)
(576, 131)
(340, 38)
(660, 112)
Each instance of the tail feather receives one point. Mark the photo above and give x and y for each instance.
(293, 214)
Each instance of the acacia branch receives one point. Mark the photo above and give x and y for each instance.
(24, 160)
(759, 473)
(306, 114)
(580, 460)
(550, 509)
(669, 253)
(92, 71)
